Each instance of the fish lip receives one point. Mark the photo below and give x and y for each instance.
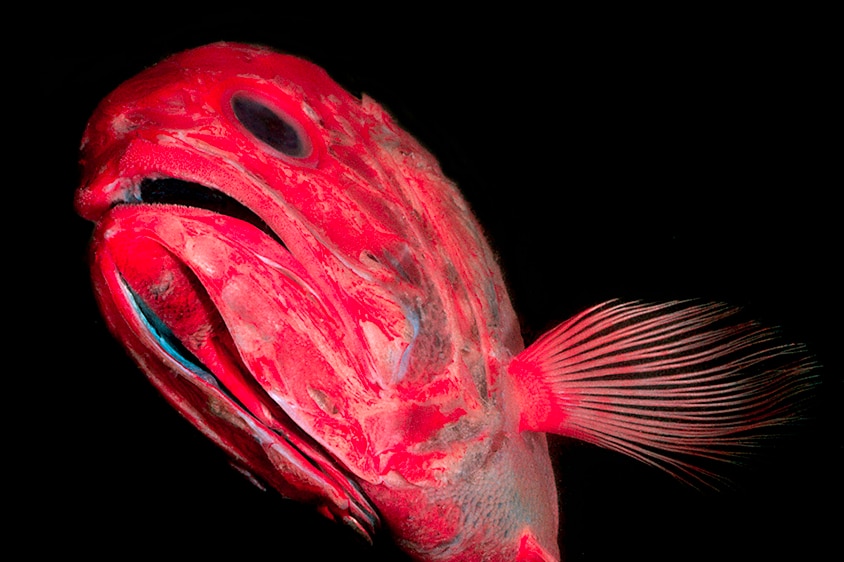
(359, 513)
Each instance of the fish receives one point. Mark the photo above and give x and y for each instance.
(297, 277)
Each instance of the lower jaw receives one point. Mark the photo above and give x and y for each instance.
(206, 380)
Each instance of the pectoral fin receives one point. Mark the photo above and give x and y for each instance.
(669, 384)
(531, 551)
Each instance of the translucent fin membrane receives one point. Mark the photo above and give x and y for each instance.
(669, 384)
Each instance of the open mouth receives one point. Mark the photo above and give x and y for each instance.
(175, 191)
(167, 257)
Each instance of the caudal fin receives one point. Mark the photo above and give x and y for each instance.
(670, 384)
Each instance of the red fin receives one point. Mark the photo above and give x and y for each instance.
(531, 551)
(660, 382)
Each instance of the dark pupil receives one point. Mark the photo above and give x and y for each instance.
(267, 126)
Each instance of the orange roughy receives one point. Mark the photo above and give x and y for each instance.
(297, 277)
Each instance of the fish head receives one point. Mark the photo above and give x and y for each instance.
(299, 279)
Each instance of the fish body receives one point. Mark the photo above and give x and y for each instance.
(296, 275)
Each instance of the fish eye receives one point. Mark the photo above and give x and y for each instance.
(268, 126)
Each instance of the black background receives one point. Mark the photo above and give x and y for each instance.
(640, 156)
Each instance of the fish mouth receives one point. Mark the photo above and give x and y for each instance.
(174, 191)
(188, 278)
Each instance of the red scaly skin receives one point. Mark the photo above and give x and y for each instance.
(361, 364)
